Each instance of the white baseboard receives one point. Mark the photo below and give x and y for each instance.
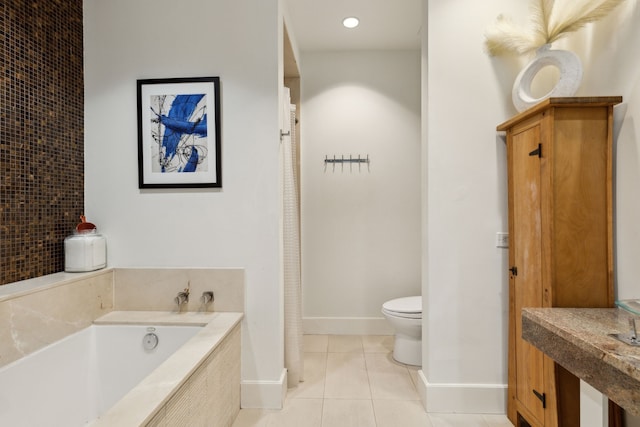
(264, 394)
(346, 326)
(465, 398)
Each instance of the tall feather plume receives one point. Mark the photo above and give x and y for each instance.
(548, 23)
(574, 15)
(540, 15)
(506, 37)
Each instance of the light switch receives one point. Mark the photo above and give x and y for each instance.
(502, 240)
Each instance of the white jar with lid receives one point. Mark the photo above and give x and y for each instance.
(85, 250)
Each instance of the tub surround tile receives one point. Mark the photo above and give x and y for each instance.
(186, 407)
(40, 311)
(41, 316)
(577, 339)
(152, 289)
(43, 283)
(159, 419)
(223, 383)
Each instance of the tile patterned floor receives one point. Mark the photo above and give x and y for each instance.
(352, 381)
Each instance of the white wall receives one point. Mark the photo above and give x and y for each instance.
(360, 224)
(237, 226)
(468, 94)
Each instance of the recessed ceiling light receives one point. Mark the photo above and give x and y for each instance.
(351, 22)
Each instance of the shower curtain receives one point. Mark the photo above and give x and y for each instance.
(293, 352)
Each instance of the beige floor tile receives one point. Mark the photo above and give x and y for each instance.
(315, 343)
(348, 413)
(383, 362)
(346, 377)
(377, 343)
(392, 386)
(389, 379)
(345, 343)
(457, 420)
(296, 413)
(394, 413)
(354, 381)
(414, 373)
(252, 418)
(315, 367)
(497, 421)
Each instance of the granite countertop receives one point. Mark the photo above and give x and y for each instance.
(578, 339)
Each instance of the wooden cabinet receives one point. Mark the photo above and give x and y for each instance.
(559, 156)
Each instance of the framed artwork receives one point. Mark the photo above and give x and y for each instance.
(179, 133)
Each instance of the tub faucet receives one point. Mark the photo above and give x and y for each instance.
(207, 297)
(183, 297)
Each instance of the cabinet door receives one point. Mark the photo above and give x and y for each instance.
(527, 258)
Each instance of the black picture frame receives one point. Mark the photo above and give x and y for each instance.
(179, 144)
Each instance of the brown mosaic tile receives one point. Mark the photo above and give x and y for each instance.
(41, 134)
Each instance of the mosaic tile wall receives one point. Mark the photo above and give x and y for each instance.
(41, 134)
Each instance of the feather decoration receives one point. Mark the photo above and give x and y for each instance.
(577, 14)
(549, 22)
(540, 15)
(507, 37)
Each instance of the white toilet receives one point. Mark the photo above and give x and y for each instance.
(405, 315)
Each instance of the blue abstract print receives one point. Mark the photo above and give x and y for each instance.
(179, 130)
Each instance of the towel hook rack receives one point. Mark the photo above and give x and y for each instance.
(342, 160)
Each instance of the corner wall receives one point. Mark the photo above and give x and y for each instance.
(233, 227)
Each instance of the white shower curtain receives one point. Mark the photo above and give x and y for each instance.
(293, 352)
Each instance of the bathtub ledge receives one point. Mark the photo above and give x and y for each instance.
(165, 318)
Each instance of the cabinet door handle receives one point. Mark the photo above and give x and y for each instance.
(537, 151)
(542, 397)
(514, 271)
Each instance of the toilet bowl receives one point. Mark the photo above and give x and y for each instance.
(405, 316)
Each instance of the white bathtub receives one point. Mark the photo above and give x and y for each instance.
(77, 379)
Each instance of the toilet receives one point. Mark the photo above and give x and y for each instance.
(405, 316)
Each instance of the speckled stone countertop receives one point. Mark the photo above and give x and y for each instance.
(578, 339)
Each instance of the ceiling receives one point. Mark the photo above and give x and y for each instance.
(384, 24)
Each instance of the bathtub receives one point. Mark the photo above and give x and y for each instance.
(111, 373)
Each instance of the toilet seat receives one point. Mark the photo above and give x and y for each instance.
(407, 307)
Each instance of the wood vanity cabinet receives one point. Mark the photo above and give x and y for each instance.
(559, 157)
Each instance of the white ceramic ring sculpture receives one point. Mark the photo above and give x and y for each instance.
(567, 62)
